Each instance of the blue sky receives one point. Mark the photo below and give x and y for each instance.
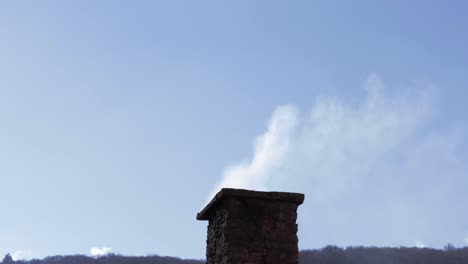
(118, 119)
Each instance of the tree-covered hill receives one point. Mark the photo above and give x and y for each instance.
(108, 259)
(326, 255)
(374, 255)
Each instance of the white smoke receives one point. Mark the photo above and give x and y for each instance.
(100, 251)
(419, 244)
(376, 164)
(323, 143)
(21, 255)
(269, 152)
(340, 143)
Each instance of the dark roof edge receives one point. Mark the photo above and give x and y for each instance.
(297, 198)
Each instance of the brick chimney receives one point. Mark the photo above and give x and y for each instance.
(252, 227)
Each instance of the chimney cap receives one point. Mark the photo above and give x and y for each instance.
(297, 198)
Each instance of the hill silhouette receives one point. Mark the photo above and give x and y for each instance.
(326, 255)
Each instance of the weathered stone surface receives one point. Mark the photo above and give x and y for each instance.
(252, 227)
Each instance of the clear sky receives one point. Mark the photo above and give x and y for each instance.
(118, 118)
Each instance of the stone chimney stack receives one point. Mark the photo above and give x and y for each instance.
(250, 227)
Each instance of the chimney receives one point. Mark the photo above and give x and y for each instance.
(252, 227)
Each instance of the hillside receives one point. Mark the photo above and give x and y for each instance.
(327, 255)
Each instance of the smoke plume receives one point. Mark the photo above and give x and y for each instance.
(332, 137)
(375, 168)
(269, 152)
(21, 255)
(100, 251)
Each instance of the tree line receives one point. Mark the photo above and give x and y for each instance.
(385, 255)
(326, 255)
